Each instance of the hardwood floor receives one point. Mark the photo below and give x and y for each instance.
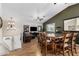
(31, 49)
(28, 49)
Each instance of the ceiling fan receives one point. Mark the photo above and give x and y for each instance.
(39, 18)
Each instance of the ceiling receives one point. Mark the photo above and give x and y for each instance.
(30, 11)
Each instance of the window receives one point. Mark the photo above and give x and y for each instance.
(50, 27)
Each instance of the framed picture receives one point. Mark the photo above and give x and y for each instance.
(26, 28)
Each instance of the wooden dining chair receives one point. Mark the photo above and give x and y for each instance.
(44, 44)
(52, 44)
(63, 46)
(73, 45)
(40, 39)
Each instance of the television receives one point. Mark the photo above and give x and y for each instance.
(33, 28)
(71, 24)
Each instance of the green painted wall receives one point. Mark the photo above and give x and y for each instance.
(72, 11)
(69, 12)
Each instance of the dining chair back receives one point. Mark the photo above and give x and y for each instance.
(63, 46)
(73, 45)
